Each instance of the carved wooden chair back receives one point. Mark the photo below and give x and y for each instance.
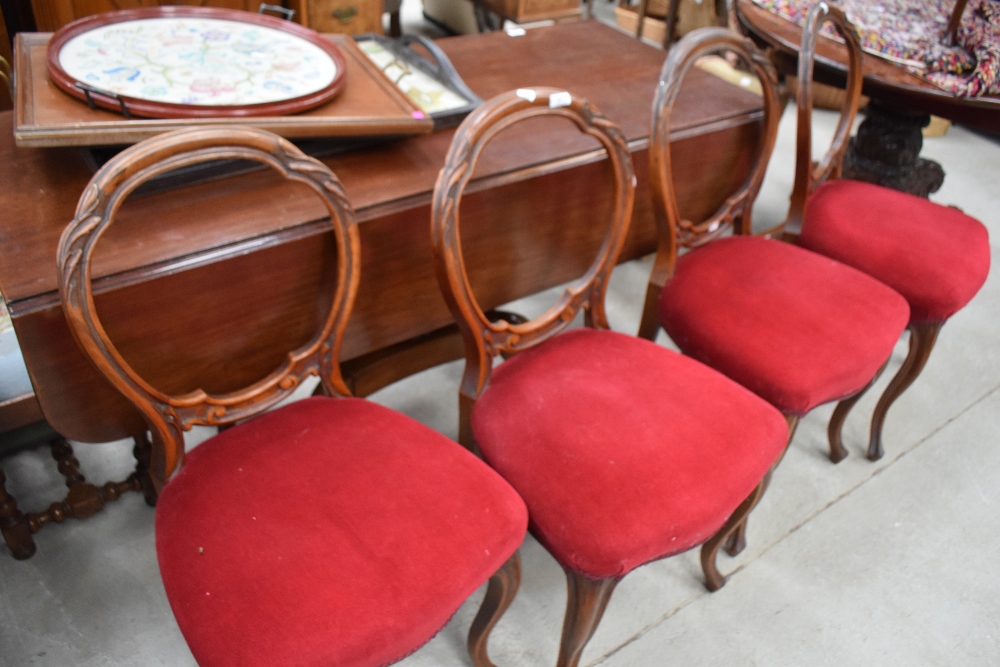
(734, 215)
(954, 21)
(484, 339)
(809, 174)
(783, 322)
(169, 416)
(935, 256)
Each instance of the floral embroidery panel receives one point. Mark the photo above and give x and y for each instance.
(197, 61)
(912, 33)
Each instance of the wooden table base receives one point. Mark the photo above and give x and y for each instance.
(82, 500)
(886, 151)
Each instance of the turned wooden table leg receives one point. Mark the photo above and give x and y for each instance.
(14, 525)
(886, 151)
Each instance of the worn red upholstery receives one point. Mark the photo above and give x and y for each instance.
(935, 256)
(353, 555)
(794, 327)
(624, 451)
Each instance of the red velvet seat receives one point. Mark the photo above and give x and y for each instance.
(328, 531)
(624, 451)
(797, 328)
(618, 465)
(352, 532)
(935, 256)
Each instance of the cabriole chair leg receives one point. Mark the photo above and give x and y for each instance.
(585, 604)
(499, 595)
(835, 429)
(737, 522)
(737, 541)
(922, 339)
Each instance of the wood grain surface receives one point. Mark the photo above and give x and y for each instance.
(190, 266)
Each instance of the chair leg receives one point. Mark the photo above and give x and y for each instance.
(499, 595)
(586, 601)
(922, 340)
(714, 580)
(737, 541)
(142, 451)
(834, 430)
(14, 525)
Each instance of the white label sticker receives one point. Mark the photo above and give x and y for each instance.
(516, 32)
(526, 94)
(560, 99)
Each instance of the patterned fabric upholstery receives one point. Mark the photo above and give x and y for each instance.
(912, 33)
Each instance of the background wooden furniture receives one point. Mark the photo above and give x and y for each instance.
(50, 15)
(353, 17)
(888, 142)
(390, 187)
(22, 425)
(370, 106)
(525, 11)
(344, 16)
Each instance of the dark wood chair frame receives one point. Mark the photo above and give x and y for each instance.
(735, 215)
(169, 416)
(486, 337)
(810, 175)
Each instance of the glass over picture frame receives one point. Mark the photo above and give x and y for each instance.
(430, 81)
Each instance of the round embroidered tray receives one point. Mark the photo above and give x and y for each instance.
(194, 62)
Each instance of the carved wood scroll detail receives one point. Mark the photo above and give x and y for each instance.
(169, 416)
(484, 340)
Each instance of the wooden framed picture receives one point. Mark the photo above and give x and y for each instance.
(423, 73)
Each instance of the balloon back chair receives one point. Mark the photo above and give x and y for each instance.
(624, 452)
(796, 328)
(935, 256)
(329, 530)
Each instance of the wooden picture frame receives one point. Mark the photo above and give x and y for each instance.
(420, 77)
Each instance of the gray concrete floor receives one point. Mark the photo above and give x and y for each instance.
(889, 563)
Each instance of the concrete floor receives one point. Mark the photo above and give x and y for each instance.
(888, 564)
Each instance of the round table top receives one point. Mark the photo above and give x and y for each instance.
(884, 80)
